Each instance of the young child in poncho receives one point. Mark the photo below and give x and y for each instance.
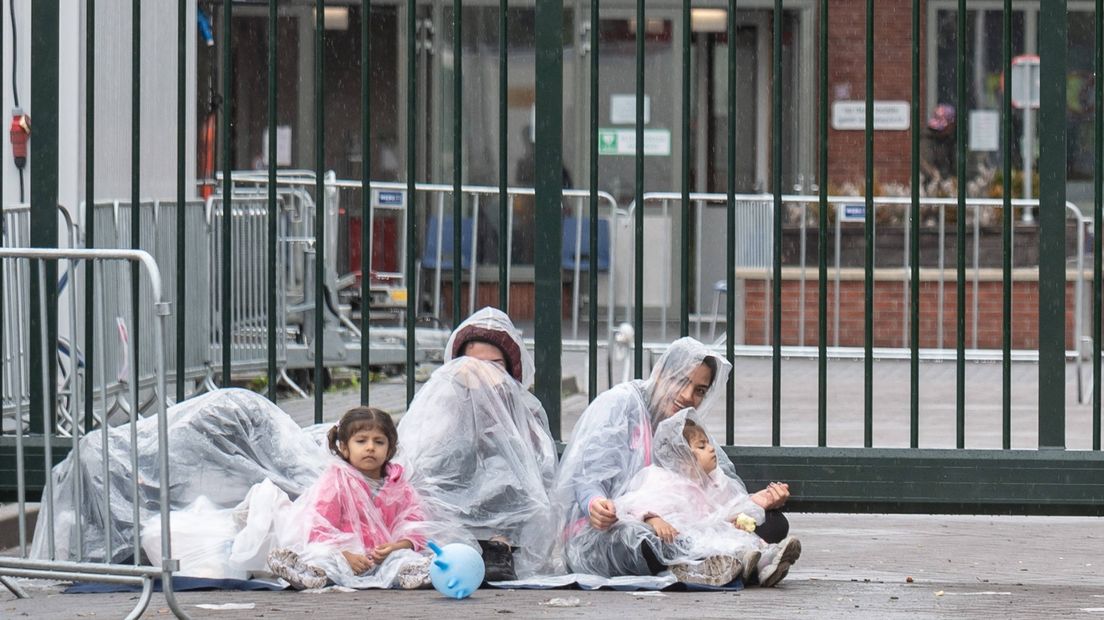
(701, 511)
(361, 523)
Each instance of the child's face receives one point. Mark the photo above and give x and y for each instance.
(367, 451)
(703, 450)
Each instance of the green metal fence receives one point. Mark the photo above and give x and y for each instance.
(1050, 479)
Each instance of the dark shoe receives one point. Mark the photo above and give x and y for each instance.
(498, 559)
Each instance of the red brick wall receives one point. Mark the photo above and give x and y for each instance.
(892, 81)
(522, 305)
(889, 309)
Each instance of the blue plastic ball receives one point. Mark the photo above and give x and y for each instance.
(457, 571)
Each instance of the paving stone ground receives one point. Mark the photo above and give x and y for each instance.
(853, 566)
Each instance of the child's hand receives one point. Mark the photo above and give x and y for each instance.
(663, 529)
(359, 563)
(381, 552)
(743, 522)
(774, 496)
(603, 514)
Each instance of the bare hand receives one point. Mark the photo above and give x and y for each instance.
(359, 563)
(603, 514)
(381, 552)
(774, 496)
(663, 529)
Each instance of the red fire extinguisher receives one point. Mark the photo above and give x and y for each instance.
(20, 133)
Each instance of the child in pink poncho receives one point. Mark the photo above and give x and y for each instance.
(360, 518)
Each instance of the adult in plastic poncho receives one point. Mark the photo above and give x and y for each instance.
(613, 441)
(475, 444)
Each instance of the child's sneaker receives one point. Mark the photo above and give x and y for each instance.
(715, 570)
(750, 560)
(285, 563)
(414, 575)
(777, 560)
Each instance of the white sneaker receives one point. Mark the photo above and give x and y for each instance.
(777, 561)
(750, 560)
(715, 570)
(286, 564)
(414, 575)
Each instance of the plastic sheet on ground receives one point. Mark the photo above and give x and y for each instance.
(220, 445)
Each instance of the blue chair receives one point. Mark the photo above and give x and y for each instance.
(569, 229)
(429, 255)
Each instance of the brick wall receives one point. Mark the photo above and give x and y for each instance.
(890, 312)
(892, 81)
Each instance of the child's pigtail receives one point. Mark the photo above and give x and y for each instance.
(331, 437)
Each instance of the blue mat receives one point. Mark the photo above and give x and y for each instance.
(180, 584)
(583, 581)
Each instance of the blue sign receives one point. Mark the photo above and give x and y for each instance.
(389, 198)
(853, 213)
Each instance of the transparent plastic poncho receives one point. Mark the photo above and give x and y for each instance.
(611, 443)
(701, 506)
(220, 445)
(476, 446)
(342, 512)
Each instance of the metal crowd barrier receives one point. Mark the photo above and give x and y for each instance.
(79, 569)
(249, 309)
(16, 392)
(298, 182)
(158, 234)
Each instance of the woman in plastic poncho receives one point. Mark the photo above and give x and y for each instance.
(476, 445)
(613, 441)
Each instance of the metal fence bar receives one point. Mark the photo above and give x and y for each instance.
(549, 205)
(592, 281)
(914, 230)
(868, 229)
(1053, 31)
(273, 212)
(776, 303)
(822, 240)
(638, 186)
(730, 228)
(1098, 209)
(503, 150)
(226, 294)
(1006, 237)
(181, 180)
(960, 234)
(411, 207)
(457, 160)
(320, 207)
(684, 259)
(89, 198)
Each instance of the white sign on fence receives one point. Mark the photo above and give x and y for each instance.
(888, 115)
(984, 130)
(623, 109)
(615, 141)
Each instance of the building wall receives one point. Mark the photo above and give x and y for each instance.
(891, 308)
(892, 82)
